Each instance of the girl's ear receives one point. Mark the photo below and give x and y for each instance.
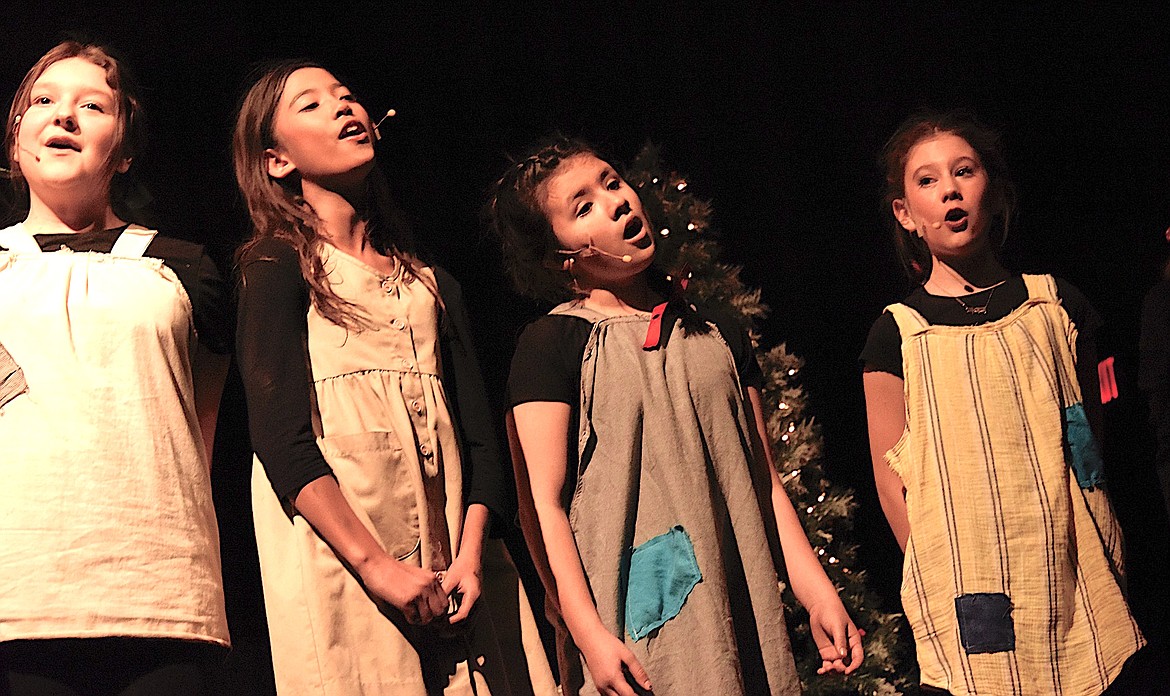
(279, 166)
(124, 165)
(902, 215)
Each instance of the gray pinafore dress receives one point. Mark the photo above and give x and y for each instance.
(385, 429)
(107, 527)
(663, 443)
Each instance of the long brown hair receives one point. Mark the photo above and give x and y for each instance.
(912, 250)
(280, 211)
(130, 133)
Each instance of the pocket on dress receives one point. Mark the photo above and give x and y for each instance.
(12, 382)
(662, 573)
(985, 622)
(1083, 454)
(377, 479)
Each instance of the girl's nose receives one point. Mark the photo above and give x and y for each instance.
(65, 118)
(951, 191)
(622, 207)
(344, 108)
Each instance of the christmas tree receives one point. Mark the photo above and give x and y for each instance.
(686, 250)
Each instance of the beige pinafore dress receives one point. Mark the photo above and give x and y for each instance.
(1011, 580)
(384, 427)
(106, 522)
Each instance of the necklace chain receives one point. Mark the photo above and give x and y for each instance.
(976, 309)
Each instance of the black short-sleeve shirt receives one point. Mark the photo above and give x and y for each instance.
(883, 347)
(196, 271)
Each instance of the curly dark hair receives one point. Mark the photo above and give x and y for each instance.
(986, 142)
(515, 214)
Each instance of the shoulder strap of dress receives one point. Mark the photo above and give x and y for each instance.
(16, 239)
(573, 308)
(132, 242)
(909, 321)
(1041, 287)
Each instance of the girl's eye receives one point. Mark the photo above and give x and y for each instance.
(614, 184)
(347, 97)
(41, 100)
(585, 208)
(965, 171)
(94, 107)
(925, 180)
(308, 107)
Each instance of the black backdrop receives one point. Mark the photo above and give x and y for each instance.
(775, 111)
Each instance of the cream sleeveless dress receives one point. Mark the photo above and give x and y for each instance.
(385, 429)
(106, 521)
(1011, 580)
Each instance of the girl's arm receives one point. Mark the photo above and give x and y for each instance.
(885, 409)
(413, 591)
(542, 430)
(209, 371)
(837, 638)
(465, 576)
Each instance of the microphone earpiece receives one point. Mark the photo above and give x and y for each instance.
(936, 225)
(389, 114)
(16, 120)
(591, 250)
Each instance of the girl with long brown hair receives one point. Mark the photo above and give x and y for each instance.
(377, 473)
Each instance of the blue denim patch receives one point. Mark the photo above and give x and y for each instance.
(662, 573)
(985, 622)
(1083, 454)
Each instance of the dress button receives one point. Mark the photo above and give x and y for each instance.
(425, 449)
(407, 364)
(414, 403)
(398, 324)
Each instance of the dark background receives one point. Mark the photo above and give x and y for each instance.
(774, 111)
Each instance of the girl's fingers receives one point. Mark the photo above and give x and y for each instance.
(637, 671)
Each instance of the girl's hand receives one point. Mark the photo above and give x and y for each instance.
(838, 639)
(615, 670)
(464, 578)
(409, 589)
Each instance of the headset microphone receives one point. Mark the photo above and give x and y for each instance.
(389, 114)
(591, 250)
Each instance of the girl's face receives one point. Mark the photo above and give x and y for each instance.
(592, 209)
(944, 202)
(67, 138)
(321, 131)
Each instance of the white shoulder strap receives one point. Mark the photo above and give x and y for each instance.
(132, 242)
(16, 239)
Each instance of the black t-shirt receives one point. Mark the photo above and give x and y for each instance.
(195, 270)
(547, 367)
(883, 347)
(547, 363)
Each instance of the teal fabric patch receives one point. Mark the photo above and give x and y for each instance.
(663, 571)
(1083, 453)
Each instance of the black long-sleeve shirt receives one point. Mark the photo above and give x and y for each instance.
(271, 350)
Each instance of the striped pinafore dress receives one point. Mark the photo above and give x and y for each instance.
(1011, 580)
(384, 427)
